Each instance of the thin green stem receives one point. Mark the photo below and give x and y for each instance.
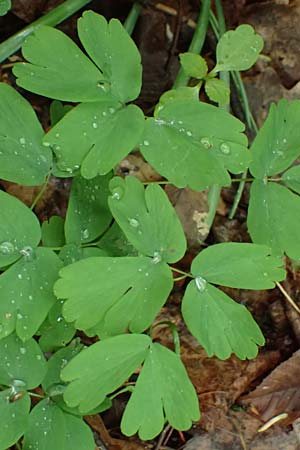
(18, 445)
(174, 332)
(132, 17)
(33, 394)
(53, 18)
(182, 272)
(179, 278)
(197, 41)
(122, 391)
(156, 182)
(40, 194)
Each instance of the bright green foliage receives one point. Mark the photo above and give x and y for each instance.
(91, 380)
(57, 111)
(202, 141)
(163, 392)
(277, 143)
(95, 298)
(22, 364)
(238, 49)
(194, 65)
(19, 229)
(95, 137)
(180, 94)
(217, 90)
(139, 213)
(5, 6)
(71, 253)
(244, 266)
(219, 324)
(114, 242)
(53, 234)
(26, 291)
(51, 428)
(23, 159)
(13, 417)
(291, 178)
(88, 214)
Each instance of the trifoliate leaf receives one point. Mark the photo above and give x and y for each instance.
(94, 137)
(107, 44)
(102, 368)
(26, 291)
(238, 49)
(237, 265)
(22, 364)
(273, 218)
(51, 428)
(5, 6)
(58, 69)
(277, 143)
(13, 417)
(55, 332)
(147, 218)
(221, 325)
(217, 90)
(131, 290)
(23, 158)
(291, 178)
(193, 65)
(88, 214)
(163, 392)
(19, 229)
(53, 234)
(201, 140)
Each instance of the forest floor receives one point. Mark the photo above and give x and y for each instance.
(236, 397)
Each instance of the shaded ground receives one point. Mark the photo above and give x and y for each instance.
(165, 29)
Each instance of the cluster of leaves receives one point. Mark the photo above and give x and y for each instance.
(106, 269)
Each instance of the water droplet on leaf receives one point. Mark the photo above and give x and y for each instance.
(200, 283)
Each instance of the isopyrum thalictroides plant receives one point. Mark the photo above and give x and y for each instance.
(106, 269)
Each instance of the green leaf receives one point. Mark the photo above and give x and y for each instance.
(58, 69)
(163, 392)
(273, 218)
(5, 6)
(291, 178)
(13, 417)
(53, 234)
(88, 214)
(277, 143)
(108, 44)
(95, 137)
(115, 243)
(51, 428)
(19, 229)
(147, 218)
(244, 266)
(22, 364)
(23, 159)
(193, 65)
(221, 325)
(55, 331)
(201, 140)
(217, 90)
(57, 111)
(180, 94)
(132, 292)
(102, 368)
(26, 293)
(238, 49)
(71, 253)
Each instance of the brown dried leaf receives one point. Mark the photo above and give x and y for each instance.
(279, 392)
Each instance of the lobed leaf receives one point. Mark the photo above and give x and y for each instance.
(114, 294)
(163, 392)
(147, 219)
(94, 137)
(14, 418)
(102, 368)
(238, 49)
(277, 143)
(291, 178)
(193, 65)
(26, 291)
(217, 90)
(273, 217)
(23, 159)
(19, 229)
(53, 232)
(237, 265)
(201, 140)
(220, 325)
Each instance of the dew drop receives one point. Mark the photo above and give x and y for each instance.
(156, 258)
(117, 193)
(205, 141)
(85, 233)
(111, 110)
(134, 223)
(7, 248)
(23, 350)
(95, 125)
(146, 143)
(200, 283)
(22, 141)
(225, 148)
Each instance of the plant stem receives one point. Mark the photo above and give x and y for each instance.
(132, 17)
(37, 198)
(18, 445)
(53, 18)
(288, 297)
(33, 394)
(174, 332)
(182, 272)
(197, 41)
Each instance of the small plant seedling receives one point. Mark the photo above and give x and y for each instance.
(106, 269)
